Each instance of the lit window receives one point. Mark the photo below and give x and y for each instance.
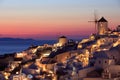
(101, 24)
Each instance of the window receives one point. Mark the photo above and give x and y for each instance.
(101, 24)
(105, 61)
(115, 60)
(99, 62)
(103, 40)
(113, 57)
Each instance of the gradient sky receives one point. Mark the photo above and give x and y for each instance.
(48, 19)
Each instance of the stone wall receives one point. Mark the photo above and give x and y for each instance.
(83, 73)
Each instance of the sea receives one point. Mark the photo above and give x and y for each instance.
(7, 47)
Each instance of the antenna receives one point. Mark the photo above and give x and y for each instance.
(95, 20)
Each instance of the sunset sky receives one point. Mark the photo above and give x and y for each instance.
(48, 19)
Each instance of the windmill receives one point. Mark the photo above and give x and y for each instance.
(95, 20)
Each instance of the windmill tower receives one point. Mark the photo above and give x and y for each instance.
(102, 26)
(95, 21)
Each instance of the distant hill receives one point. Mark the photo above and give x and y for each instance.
(21, 41)
(15, 39)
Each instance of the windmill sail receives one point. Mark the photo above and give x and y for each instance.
(95, 21)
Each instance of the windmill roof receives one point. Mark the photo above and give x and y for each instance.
(102, 20)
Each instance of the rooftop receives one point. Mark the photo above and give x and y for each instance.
(62, 37)
(102, 20)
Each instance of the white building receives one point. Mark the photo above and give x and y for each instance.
(102, 26)
(62, 41)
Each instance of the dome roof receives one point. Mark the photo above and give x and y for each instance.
(102, 20)
(62, 37)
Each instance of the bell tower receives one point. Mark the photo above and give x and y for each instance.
(102, 26)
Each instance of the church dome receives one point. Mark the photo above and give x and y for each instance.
(62, 37)
(62, 40)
